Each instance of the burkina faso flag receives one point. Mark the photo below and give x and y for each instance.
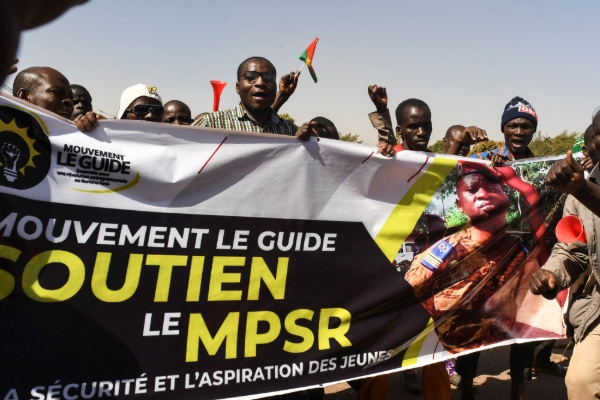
(307, 57)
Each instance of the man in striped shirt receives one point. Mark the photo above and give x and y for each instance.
(257, 88)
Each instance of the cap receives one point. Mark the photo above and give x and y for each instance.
(464, 168)
(518, 107)
(133, 93)
(596, 111)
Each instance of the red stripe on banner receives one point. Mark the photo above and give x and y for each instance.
(211, 156)
(368, 157)
(425, 163)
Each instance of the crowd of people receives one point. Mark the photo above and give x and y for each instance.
(256, 112)
(575, 265)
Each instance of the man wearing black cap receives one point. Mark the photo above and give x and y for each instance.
(519, 123)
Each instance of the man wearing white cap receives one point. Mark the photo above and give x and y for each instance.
(142, 103)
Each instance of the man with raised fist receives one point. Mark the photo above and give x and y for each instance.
(576, 265)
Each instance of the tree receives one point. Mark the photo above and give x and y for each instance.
(348, 137)
(455, 218)
(447, 189)
(543, 145)
(485, 146)
(437, 147)
(564, 142)
(286, 117)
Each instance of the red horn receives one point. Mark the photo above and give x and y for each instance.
(217, 89)
(570, 229)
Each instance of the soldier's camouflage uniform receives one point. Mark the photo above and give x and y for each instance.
(456, 278)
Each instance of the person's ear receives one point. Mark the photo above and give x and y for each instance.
(237, 87)
(444, 140)
(584, 151)
(23, 94)
(458, 204)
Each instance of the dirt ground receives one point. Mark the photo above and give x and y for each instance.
(493, 383)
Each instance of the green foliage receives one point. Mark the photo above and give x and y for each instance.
(455, 218)
(551, 201)
(541, 145)
(514, 210)
(348, 137)
(534, 173)
(511, 216)
(448, 188)
(286, 117)
(544, 145)
(564, 142)
(437, 147)
(485, 146)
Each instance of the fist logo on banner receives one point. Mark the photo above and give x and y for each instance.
(11, 154)
(24, 149)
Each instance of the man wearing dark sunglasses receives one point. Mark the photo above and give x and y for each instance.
(257, 87)
(142, 103)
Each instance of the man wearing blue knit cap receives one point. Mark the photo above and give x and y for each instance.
(519, 123)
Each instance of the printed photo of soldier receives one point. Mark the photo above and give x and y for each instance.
(469, 280)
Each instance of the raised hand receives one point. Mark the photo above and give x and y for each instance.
(288, 83)
(566, 175)
(496, 159)
(379, 97)
(386, 149)
(287, 87)
(542, 281)
(472, 135)
(587, 163)
(88, 121)
(307, 130)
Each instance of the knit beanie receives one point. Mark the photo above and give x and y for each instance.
(518, 107)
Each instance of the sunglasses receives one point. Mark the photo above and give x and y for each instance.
(252, 76)
(144, 109)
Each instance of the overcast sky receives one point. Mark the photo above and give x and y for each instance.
(465, 59)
